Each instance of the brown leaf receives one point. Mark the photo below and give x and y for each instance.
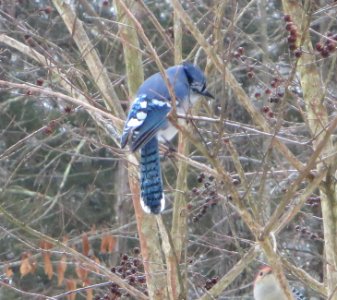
(108, 244)
(8, 271)
(26, 267)
(85, 244)
(45, 245)
(71, 286)
(112, 243)
(104, 244)
(48, 266)
(90, 295)
(81, 272)
(61, 269)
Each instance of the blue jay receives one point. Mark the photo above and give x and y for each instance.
(147, 123)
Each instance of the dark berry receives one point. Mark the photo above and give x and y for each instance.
(136, 251)
(267, 91)
(39, 81)
(287, 18)
(266, 109)
(105, 2)
(189, 206)
(137, 262)
(241, 50)
(331, 46)
(298, 53)
(125, 257)
(250, 75)
(280, 94)
(274, 99)
(319, 47)
(195, 191)
(257, 95)
(236, 54)
(113, 269)
(293, 32)
(325, 52)
(270, 114)
(215, 280)
(68, 109)
(289, 26)
(291, 39)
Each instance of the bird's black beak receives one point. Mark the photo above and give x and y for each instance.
(207, 94)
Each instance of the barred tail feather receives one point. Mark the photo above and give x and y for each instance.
(151, 185)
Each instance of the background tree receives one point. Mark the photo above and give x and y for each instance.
(253, 177)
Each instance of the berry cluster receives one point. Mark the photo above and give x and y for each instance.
(268, 111)
(130, 268)
(210, 282)
(238, 53)
(304, 231)
(292, 37)
(207, 193)
(329, 46)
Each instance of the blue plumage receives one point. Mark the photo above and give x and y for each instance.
(147, 121)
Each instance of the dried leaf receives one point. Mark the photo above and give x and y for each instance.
(104, 244)
(71, 286)
(108, 244)
(48, 266)
(85, 244)
(61, 269)
(9, 272)
(81, 272)
(26, 266)
(45, 245)
(90, 295)
(112, 244)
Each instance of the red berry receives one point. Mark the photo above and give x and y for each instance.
(298, 53)
(287, 18)
(48, 10)
(289, 26)
(273, 83)
(250, 75)
(293, 31)
(291, 39)
(325, 52)
(267, 91)
(270, 114)
(105, 3)
(236, 54)
(257, 95)
(331, 46)
(241, 50)
(265, 109)
(319, 47)
(68, 109)
(39, 81)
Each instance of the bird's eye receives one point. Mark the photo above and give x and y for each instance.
(261, 273)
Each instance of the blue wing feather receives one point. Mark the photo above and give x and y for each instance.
(146, 117)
